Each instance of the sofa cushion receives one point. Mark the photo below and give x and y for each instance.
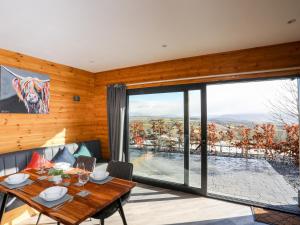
(35, 162)
(63, 155)
(82, 151)
(95, 149)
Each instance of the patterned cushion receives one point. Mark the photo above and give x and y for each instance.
(82, 151)
(64, 155)
(34, 162)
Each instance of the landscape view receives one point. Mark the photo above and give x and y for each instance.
(253, 140)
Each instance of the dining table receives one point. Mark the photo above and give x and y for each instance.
(79, 208)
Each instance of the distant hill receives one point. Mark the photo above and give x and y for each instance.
(221, 119)
(242, 118)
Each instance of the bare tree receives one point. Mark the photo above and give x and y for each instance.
(284, 108)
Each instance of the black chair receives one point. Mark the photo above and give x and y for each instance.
(120, 170)
(89, 162)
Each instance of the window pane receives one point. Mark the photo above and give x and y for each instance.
(156, 136)
(253, 142)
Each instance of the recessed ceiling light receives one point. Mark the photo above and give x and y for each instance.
(291, 21)
(164, 46)
(91, 61)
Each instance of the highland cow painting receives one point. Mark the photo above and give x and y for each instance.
(23, 91)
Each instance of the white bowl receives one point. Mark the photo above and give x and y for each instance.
(17, 178)
(62, 166)
(99, 175)
(53, 193)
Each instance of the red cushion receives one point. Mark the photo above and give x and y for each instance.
(34, 162)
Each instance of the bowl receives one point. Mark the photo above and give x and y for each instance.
(62, 166)
(17, 178)
(53, 193)
(99, 175)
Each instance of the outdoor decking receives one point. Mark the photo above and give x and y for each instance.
(156, 206)
(250, 180)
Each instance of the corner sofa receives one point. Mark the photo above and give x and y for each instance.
(14, 162)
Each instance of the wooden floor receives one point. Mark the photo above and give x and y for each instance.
(156, 206)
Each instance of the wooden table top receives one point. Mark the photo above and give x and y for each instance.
(80, 208)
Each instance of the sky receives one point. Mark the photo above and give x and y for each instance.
(222, 99)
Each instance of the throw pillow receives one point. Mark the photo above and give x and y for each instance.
(64, 155)
(82, 151)
(35, 162)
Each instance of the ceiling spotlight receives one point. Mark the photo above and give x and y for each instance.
(291, 21)
(164, 46)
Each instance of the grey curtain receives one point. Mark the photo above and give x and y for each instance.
(116, 109)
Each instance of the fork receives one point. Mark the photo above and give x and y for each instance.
(62, 204)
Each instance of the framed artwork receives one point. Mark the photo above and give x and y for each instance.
(23, 91)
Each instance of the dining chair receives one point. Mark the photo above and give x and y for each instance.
(122, 170)
(89, 164)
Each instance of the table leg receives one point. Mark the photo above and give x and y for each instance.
(3, 205)
(38, 220)
(121, 211)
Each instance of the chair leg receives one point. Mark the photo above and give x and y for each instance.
(3, 205)
(101, 221)
(122, 212)
(38, 220)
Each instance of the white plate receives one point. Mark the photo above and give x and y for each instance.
(99, 175)
(17, 178)
(53, 193)
(62, 166)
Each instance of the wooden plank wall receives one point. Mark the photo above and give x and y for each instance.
(68, 121)
(255, 59)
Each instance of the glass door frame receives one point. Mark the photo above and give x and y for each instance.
(185, 89)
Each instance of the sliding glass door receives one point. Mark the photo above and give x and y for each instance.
(234, 140)
(164, 135)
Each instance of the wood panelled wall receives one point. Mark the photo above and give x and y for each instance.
(68, 121)
(248, 60)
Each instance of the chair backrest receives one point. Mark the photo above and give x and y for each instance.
(122, 170)
(89, 162)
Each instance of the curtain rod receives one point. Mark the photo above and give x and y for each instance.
(217, 75)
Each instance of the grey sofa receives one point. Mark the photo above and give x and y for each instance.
(16, 161)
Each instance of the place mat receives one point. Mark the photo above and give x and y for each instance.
(274, 217)
(51, 204)
(109, 178)
(14, 186)
(83, 193)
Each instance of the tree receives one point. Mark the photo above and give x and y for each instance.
(290, 146)
(245, 142)
(284, 108)
(263, 138)
(138, 133)
(179, 131)
(195, 135)
(229, 136)
(212, 136)
(222, 139)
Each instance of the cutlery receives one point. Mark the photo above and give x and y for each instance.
(62, 204)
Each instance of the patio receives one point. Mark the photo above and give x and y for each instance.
(226, 177)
